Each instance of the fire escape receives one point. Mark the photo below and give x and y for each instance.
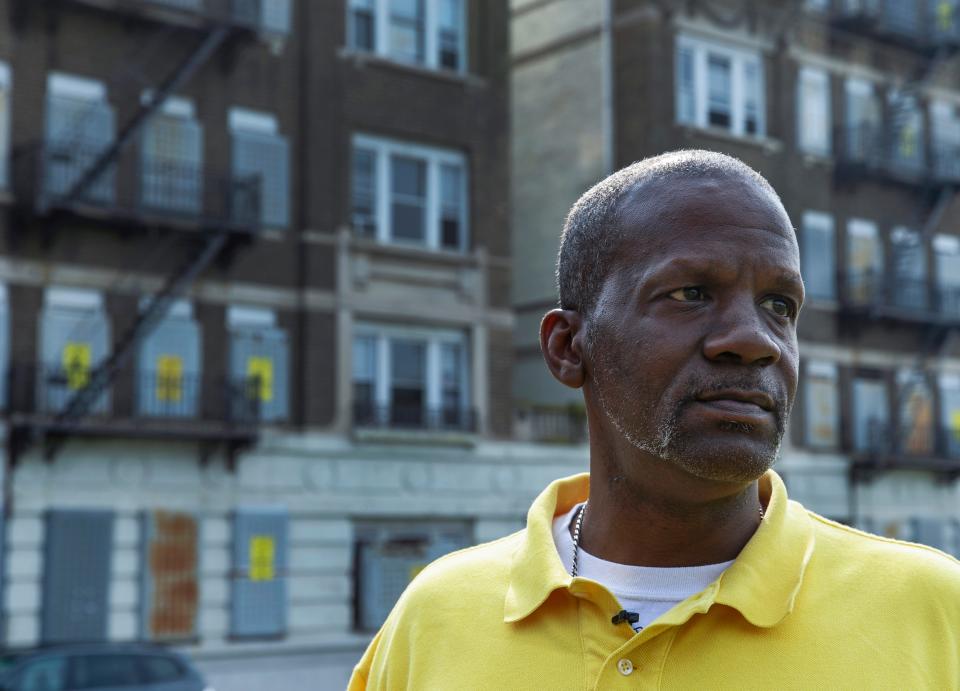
(72, 182)
(887, 145)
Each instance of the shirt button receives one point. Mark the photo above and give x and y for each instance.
(625, 667)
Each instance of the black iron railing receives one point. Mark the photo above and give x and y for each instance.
(920, 24)
(261, 16)
(874, 149)
(552, 424)
(164, 189)
(911, 441)
(413, 417)
(918, 298)
(47, 389)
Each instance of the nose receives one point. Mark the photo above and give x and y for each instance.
(741, 336)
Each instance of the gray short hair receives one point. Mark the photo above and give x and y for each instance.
(592, 233)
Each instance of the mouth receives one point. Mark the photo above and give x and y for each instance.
(738, 405)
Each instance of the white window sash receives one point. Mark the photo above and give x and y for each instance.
(431, 28)
(813, 106)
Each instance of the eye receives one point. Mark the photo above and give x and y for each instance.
(782, 307)
(688, 294)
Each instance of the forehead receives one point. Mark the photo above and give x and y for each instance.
(721, 218)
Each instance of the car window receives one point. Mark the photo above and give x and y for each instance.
(46, 674)
(157, 668)
(95, 671)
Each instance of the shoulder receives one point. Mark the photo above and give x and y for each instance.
(886, 563)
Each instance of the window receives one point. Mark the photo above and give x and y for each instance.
(864, 261)
(47, 674)
(822, 405)
(410, 379)
(390, 555)
(719, 86)
(813, 111)
(818, 258)
(80, 126)
(909, 266)
(950, 413)
(915, 397)
(862, 123)
(103, 671)
(169, 367)
(74, 339)
(945, 124)
(259, 361)
(172, 159)
(870, 413)
(946, 254)
(260, 188)
(430, 33)
(410, 194)
(258, 603)
(907, 141)
(169, 577)
(5, 115)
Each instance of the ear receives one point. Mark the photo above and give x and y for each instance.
(561, 342)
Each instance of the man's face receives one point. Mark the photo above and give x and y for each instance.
(692, 345)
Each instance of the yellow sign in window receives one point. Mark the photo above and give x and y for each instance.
(170, 378)
(76, 364)
(260, 370)
(955, 423)
(262, 553)
(944, 15)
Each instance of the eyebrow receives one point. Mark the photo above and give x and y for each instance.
(785, 280)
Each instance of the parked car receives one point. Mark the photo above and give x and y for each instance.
(99, 667)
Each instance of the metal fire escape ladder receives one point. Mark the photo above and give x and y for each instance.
(211, 42)
(101, 377)
(79, 405)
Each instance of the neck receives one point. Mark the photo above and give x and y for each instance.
(659, 515)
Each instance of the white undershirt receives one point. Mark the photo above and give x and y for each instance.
(647, 590)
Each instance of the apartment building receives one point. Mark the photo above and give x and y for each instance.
(255, 309)
(850, 109)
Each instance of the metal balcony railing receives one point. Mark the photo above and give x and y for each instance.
(551, 424)
(261, 16)
(413, 417)
(915, 298)
(166, 189)
(45, 390)
(924, 25)
(908, 443)
(870, 149)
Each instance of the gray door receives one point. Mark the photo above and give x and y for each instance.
(76, 575)
(259, 602)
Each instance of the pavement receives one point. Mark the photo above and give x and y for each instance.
(300, 672)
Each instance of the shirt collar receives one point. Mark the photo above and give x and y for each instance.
(762, 584)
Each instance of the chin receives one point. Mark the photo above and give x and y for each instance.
(723, 460)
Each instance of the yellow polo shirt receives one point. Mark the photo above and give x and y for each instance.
(808, 604)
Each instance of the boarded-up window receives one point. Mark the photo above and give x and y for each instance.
(950, 414)
(259, 577)
(76, 575)
(864, 261)
(916, 413)
(169, 575)
(389, 555)
(818, 261)
(261, 167)
(259, 360)
(870, 414)
(172, 164)
(74, 339)
(168, 369)
(909, 263)
(930, 531)
(822, 405)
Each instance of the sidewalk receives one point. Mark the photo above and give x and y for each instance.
(302, 672)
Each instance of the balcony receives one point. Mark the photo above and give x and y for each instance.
(914, 447)
(137, 405)
(407, 417)
(924, 26)
(550, 424)
(267, 17)
(869, 151)
(874, 295)
(166, 193)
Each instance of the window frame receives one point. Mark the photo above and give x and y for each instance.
(382, 379)
(739, 57)
(384, 150)
(382, 14)
(823, 222)
(822, 371)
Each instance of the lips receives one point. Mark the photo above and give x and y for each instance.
(737, 400)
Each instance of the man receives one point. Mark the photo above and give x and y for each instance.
(679, 562)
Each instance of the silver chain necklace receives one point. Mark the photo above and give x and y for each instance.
(576, 536)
